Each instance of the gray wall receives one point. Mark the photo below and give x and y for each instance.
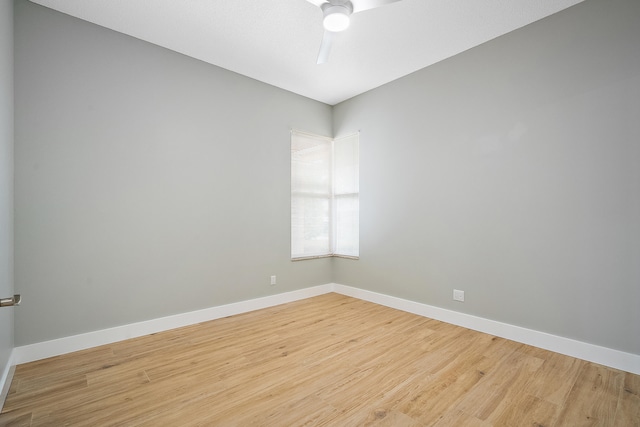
(147, 183)
(512, 172)
(6, 178)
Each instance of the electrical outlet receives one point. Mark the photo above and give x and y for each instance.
(273, 280)
(458, 295)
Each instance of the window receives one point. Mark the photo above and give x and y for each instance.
(325, 202)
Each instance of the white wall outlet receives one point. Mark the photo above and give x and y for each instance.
(458, 295)
(273, 280)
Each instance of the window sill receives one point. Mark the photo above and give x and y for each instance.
(325, 256)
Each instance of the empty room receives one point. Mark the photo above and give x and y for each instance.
(320, 212)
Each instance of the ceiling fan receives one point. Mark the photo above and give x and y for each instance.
(336, 18)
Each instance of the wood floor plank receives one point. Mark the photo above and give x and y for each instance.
(525, 409)
(49, 394)
(459, 418)
(379, 418)
(593, 400)
(555, 378)
(504, 381)
(628, 410)
(16, 419)
(330, 360)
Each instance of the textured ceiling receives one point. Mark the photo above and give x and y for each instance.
(277, 41)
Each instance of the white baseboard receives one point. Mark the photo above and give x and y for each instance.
(590, 352)
(593, 353)
(43, 350)
(5, 378)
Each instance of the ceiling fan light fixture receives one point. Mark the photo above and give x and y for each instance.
(336, 16)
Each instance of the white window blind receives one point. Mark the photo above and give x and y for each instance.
(324, 196)
(346, 198)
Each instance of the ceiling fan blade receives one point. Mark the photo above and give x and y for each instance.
(360, 5)
(317, 2)
(325, 47)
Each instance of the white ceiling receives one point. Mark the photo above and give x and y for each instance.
(277, 41)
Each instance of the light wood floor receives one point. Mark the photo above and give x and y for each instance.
(329, 360)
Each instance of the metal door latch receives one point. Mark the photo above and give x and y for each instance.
(10, 302)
